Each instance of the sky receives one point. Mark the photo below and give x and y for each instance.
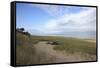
(56, 20)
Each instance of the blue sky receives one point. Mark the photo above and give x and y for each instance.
(56, 20)
(30, 16)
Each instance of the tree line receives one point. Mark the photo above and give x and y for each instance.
(22, 30)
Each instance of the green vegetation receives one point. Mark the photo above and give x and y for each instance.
(85, 49)
(25, 50)
(26, 53)
(77, 45)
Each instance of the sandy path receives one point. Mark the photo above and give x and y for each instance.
(43, 47)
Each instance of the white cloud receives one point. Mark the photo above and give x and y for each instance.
(83, 21)
(68, 22)
(55, 10)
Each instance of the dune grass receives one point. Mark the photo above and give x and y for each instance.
(77, 45)
(85, 49)
(26, 53)
(24, 50)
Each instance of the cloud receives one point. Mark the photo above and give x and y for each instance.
(56, 10)
(53, 10)
(84, 21)
(69, 20)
